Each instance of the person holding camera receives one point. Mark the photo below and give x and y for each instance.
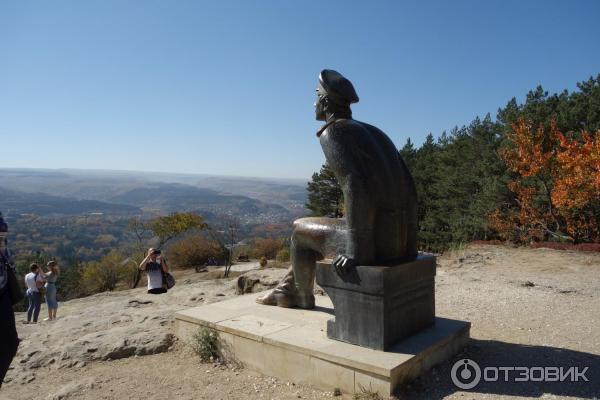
(155, 267)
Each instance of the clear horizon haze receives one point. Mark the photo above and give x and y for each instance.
(227, 87)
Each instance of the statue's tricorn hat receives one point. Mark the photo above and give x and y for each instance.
(338, 88)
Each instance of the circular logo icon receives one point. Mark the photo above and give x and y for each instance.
(465, 374)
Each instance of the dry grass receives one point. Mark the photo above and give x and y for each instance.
(366, 394)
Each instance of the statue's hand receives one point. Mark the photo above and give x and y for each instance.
(343, 264)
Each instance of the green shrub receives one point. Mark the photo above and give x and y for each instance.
(104, 275)
(283, 255)
(205, 342)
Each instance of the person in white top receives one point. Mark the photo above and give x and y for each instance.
(34, 281)
(154, 268)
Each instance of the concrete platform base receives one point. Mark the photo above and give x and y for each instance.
(292, 344)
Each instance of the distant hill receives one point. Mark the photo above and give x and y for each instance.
(79, 186)
(73, 192)
(111, 186)
(170, 197)
(13, 202)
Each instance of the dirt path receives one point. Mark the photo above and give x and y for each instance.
(528, 308)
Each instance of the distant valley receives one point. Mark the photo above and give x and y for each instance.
(82, 215)
(76, 192)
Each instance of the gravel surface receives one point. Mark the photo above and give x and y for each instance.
(527, 308)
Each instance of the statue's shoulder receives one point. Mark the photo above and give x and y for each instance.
(370, 127)
(340, 127)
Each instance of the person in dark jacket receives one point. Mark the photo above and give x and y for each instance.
(9, 341)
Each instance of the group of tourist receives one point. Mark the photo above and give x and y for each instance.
(37, 280)
(41, 282)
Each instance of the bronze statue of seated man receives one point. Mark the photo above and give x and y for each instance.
(380, 223)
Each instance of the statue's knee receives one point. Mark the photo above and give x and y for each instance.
(302, 223)
(317, 224)
(315, 233)
(301, 228)
(297, 240)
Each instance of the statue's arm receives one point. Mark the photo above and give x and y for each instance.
(343, 157)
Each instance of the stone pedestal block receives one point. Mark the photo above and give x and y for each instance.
(291, 344)
(378, 306)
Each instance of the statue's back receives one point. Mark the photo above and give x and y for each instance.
(395, 201)
(386, 183)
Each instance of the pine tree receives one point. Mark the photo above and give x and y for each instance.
(409, 154)
(426, 174)
(325, 196)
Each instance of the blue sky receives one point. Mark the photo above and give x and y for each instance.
(227, 87)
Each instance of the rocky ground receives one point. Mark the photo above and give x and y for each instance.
(528, 308)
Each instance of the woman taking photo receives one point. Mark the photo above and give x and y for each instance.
(51, 278)
(155, 267)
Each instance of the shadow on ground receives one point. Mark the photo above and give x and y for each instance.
(437, 383)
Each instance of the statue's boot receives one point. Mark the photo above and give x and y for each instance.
(287, 300)
(277, 298)
(306, 302)
(285, 295)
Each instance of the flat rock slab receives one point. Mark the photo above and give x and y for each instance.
(292, 344)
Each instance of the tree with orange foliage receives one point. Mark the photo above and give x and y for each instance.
(577, 187)
(556, 185)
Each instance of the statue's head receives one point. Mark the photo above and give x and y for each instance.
(334, 95)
